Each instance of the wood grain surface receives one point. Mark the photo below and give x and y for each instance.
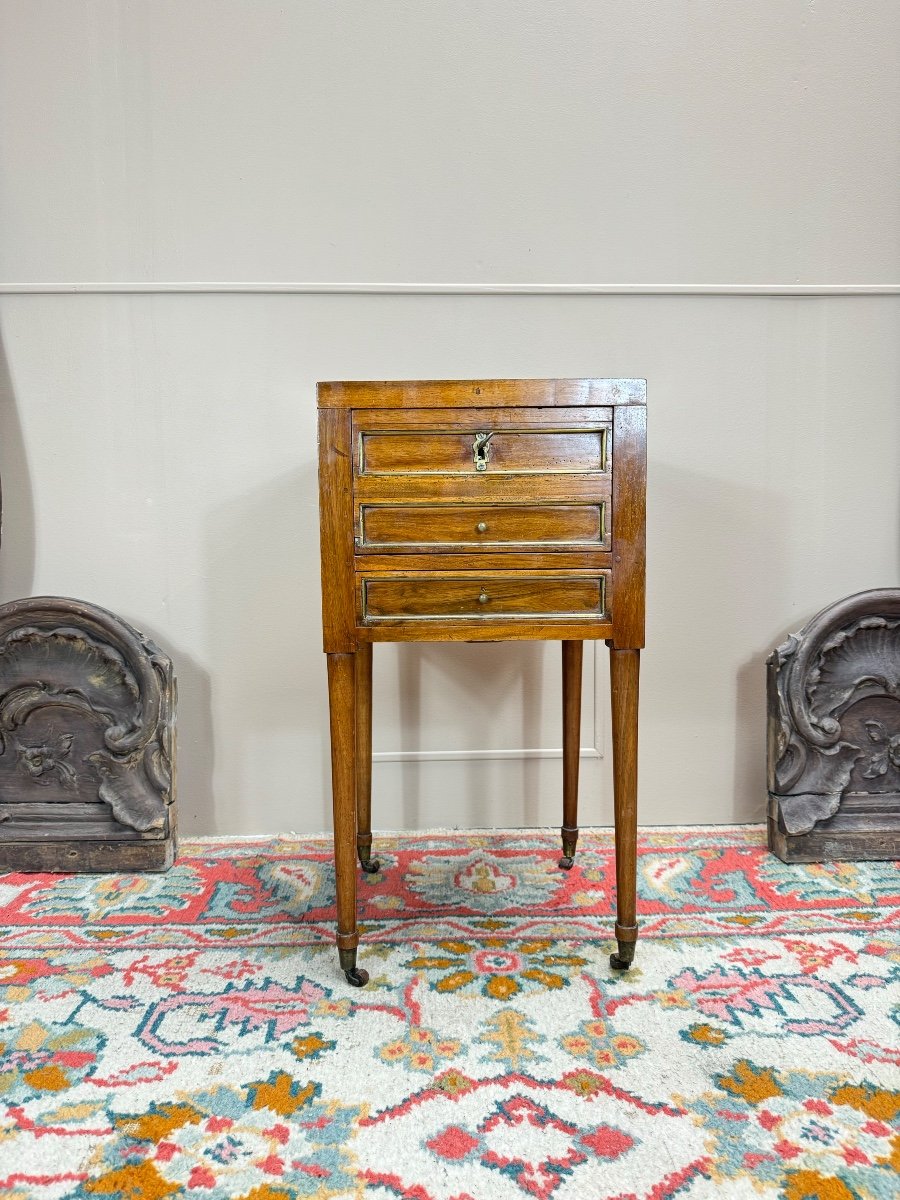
(468, 393)
(629, 517)
(336, 527)
(485, 596)
(481, 527)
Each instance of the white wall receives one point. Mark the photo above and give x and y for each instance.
(157, 447)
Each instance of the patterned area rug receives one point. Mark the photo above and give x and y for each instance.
(191, 1034)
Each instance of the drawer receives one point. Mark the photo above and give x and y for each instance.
(483, 597)
(476, 526)
(483, 450)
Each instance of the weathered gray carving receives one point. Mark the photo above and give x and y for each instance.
(834, 733)
(87, 718)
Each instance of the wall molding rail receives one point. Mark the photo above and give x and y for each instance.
(381, 756)
(598, 722)
(229, 287)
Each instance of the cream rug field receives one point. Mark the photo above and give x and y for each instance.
(191, 1033)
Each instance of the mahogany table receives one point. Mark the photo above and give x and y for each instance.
(481, 510)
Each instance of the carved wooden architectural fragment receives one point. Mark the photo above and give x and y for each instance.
(87, 724)
(834, 734)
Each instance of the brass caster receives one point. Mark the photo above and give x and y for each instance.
(625, 957)
(370, 865)
(356, 976)
(569, 842)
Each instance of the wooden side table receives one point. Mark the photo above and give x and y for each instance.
(481, 510)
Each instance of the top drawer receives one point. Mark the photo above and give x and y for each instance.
(482, 442)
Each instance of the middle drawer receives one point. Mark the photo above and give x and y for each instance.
(395, 527)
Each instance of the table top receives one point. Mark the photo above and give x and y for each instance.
(468, 393)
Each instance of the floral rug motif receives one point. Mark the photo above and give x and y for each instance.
(191, 1034)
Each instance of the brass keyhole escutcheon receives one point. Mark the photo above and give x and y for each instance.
(481, 450)
(481, 527)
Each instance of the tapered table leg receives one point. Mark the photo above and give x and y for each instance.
(624, 671)
(342, 710)
(364, 758)
(572, 657)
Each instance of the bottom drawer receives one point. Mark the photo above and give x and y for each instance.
(484, 597)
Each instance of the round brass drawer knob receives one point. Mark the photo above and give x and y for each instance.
(483, 598)
(481, 527)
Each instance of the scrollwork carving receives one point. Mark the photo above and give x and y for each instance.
(847, 655)
(86, 719)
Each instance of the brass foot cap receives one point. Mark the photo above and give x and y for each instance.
(624, 958)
